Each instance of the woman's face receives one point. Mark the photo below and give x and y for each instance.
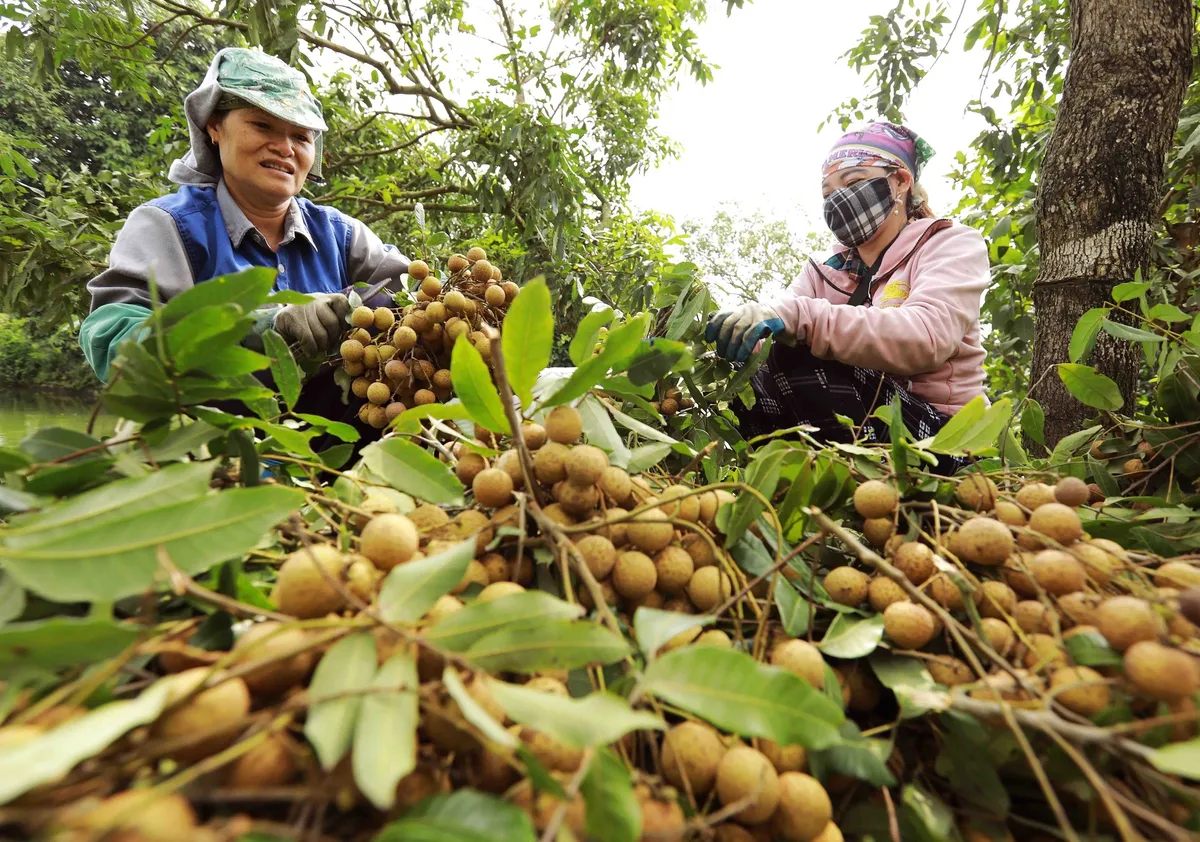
(262, 156)
(853, 175)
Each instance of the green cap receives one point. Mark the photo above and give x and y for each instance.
(263, 81)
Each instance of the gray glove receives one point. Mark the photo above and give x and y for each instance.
(314, 328)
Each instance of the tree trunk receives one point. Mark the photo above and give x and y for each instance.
(1101, 181)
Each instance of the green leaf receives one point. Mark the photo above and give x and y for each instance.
(933, 821)
(474, 387)
(1033, 421)
(284, 370)
(1167, 313)
(558, 644)
(646, 456)
(62, 642)
(1090, 649)
(599, 430)
(1133, 334)
(851, 637)
(415, 471)
(385, 738)
(1129, 290)
(347, 667)
(737, 694)
(1083, 337)
(1090, 387)
(594, 720)
(763, 476)
(1181, 759)
(189, 437)
(49, 757)
(654, 359)
(613, 810)
(475, 713)
(12, 602)
(587, 333)
(965, 764)
(337, 429)
(1067, 445)
(683, 314)
(532, 609)
(794, 610)
(51, 443)
(58, 480)
(411, 588)
(643, 430)
(247, 289)
(527, 339)
(116, 556)
(620, 346)
(465, 815)
(654, 627)
(915, 689)
(973, 428)
(409, 418)
(231, 362)
(855, 756)
(12, 459)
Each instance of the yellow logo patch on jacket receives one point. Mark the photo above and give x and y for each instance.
(894, 293)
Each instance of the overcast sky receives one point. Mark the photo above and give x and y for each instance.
(751, 135)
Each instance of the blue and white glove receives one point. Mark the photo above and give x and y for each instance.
(736, 331)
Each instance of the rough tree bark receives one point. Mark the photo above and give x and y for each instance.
(1102, 179)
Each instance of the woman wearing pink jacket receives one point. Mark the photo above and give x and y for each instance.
(895, 310)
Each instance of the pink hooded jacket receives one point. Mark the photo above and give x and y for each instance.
(923, 325)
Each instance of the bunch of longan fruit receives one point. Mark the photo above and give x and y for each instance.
(400, 357)
(672, 401)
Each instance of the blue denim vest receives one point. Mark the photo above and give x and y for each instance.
(306, 267)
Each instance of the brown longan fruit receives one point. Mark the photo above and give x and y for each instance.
(996, 599)
(744, 772)
(1034, 495)
(550, 463)
(804, 808)
(1015, 573)
(1126, 620)
(351, 351)
(363, 317)
(585, 464)
(668, 406)
(208, 721)
(384, 318)
(455, 301)
(497, 590)
(510, 290)
(715, 637)
(1160, 672)
(615, 484)
(650, 531)
(269, 640)
(847, 586)
(802, 659)
(379, 393)
(431, 286)
(475, 254)
(428, 518)
(441, 379)
(949, 672)
(680, 502)
(699, 549)
(693, 750)
(875, 499)
(908, 625)
(497, 567)
(1177, 574)
(457, 263)
(580, 501)
(564, 425)
(1054, 520)
(977, 492)
(493, 488)
(1032, 616)
(424, 397)
(915, 561)
(418, 270)
(1043, 651)
(1072, 491)
(709, 587)
(877, 531)
(999, 635)
(883, 592)
(469, 465)
(405, 339)
(494, 295)
(1133, 467)
(675, 569)
(1081, 690)
(1099, 563)
(396, 370)
(1079, 607)
(945, 592)
(476, 574)
(302, 586)
(270, 763)
(792, 758)
(599, 554)
(370, 359)
(634, 575)
(981, 540)
(510, 462)
(360, 386)
(388, 540)
(1010, 513)
(1055, 571)
(534, 435)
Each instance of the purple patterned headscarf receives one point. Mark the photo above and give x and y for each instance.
(879, 145)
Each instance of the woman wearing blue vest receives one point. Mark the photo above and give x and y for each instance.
(256, 137)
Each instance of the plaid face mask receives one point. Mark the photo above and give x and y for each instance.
(856, 212)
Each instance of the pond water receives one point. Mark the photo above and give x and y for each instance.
(25, 411)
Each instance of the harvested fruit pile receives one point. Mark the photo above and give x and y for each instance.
(400, 357)
(583, 653)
